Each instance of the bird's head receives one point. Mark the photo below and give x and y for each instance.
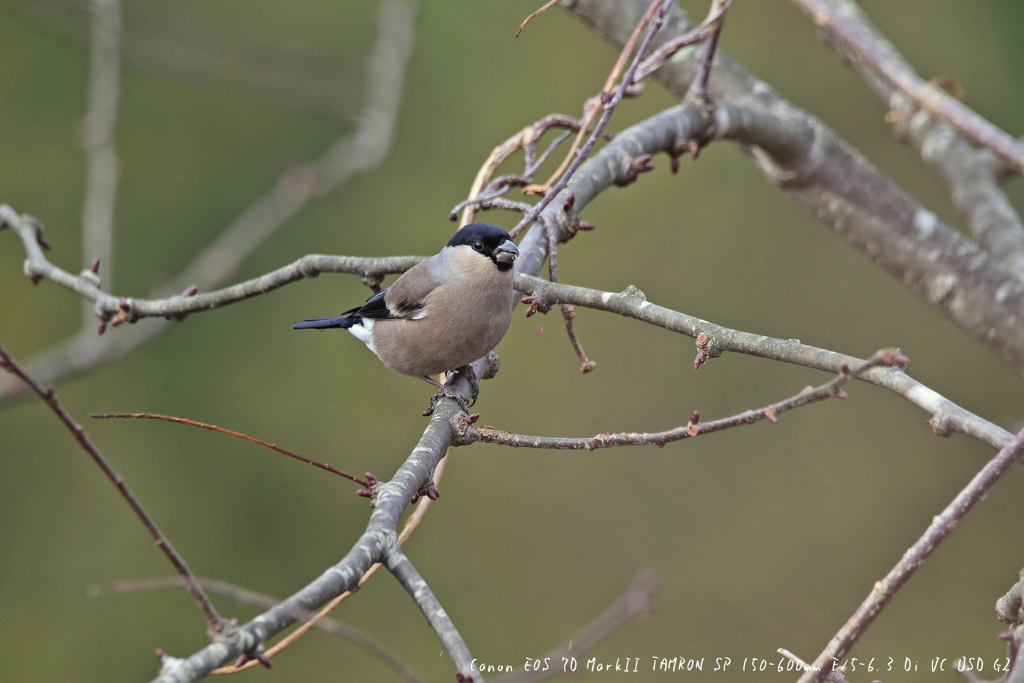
(489, 241)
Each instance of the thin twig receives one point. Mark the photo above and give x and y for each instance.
(926, 95)
(669, 49)
(639, 599)
(251, 597)
(942, 525)
(833, 676)
(699, 86)
(240, 435)
(545, 8)
(831, 389)
(521, 140)
(606, 92)
(215, 623)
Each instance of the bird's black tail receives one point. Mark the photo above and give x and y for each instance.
(343, 322)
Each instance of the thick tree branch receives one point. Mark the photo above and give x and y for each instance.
(925, 95)
(841, 188)
(389, 500)
(942, 525)
(969, 174)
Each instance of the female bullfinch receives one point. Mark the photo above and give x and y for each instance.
(442, 314)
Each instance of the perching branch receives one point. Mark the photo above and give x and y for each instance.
(218, 628)
(389, 501)
(942, 525)
(971, 175)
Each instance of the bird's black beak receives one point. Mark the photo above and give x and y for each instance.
(507, 252)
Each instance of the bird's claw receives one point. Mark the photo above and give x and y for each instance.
(474, 382)
(447, 392)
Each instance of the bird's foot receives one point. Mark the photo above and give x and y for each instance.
(446, 391)
(474, 382)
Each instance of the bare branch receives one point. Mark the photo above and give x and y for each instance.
(947, 417)
(969, 174)
(250, 597)
(838, 186)
(120, 310)
(420, 592)
(217, 627)
(883, 358)
(925, 95)
(942, 525)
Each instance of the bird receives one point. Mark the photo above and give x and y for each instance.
(443, 313)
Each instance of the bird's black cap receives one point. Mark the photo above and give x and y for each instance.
(490, 235)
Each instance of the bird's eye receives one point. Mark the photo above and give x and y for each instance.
(478, 245)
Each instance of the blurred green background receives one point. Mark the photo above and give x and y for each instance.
(765, 536)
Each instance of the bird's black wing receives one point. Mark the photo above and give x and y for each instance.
(377, 308)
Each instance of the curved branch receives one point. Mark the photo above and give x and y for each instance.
(968, 173)
(251, 597)
(122, 309)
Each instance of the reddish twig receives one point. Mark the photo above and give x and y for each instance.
(216, 623)
(606, 92)
(942, 525)
(240, 435)
(833, 388)
(542, 10)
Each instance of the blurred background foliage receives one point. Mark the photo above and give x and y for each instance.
(766, 536)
